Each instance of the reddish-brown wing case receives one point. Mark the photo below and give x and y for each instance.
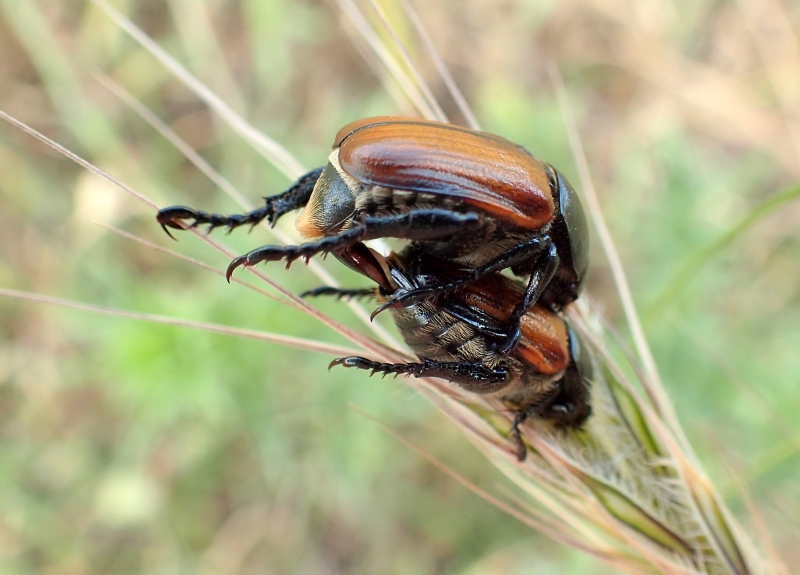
(544, 343)
(484, 170)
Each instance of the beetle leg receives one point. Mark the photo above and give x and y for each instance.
(291, 253)
(339, 293)
(479, 320)
(519, 419)
(435, 221)
(424, 224)
(507, 259)
(539, 408)
(295, 197)
(472, 376)
(543, 272)
(571, 405)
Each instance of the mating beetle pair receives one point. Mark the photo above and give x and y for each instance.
(467, 197)
(471, 204)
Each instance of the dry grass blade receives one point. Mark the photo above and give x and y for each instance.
(75, 158)
(292, 301)
(300, 343)
(407, 85)
(441, 67)
(711, 518)
(194, 262)
(168, 134)
(416, 77)
(742, 485)
(387, 81)
(629, 502)
(194, 24)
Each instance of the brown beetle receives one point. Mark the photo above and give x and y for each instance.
(464, 196)
(547, 374)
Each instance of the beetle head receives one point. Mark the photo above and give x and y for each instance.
(570, 234)
(577, 227)
(571, 406)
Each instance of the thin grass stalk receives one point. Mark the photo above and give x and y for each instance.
(387, 81)
(273, 152)
(416, 76)
(392, 67)
(290, 341)
(455, 92)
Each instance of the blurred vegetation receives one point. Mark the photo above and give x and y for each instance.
(131, 447)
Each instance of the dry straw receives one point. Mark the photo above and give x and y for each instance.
(626, 489)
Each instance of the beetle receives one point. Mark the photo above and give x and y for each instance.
(468, 197)
(548, 374)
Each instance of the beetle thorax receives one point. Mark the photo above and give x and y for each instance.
(332, 204)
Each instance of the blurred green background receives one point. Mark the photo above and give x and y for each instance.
(128, 447)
